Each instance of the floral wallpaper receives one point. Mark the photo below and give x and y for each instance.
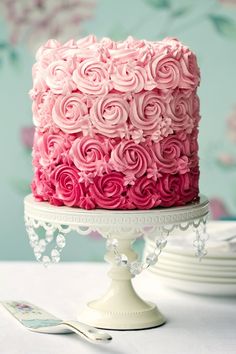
(207, 26)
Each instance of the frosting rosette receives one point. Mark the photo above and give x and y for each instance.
(130, 158)
(179, 110)
(108, 191)
(169, 189)
(171, 154)
(91, 77)
(58, 76)
(147, 110)
(70, 112)
(42, 106)
(109, 115)
(128, 77)
(66, 183)
(52, 148)
(89, 155)
(164, 72)
(143, 195)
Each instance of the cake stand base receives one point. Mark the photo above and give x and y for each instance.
(121, 309)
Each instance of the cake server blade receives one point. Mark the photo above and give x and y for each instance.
(38, 320)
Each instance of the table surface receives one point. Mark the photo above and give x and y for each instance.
(195, 324)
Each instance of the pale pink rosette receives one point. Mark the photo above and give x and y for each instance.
(70, 112)
(128, 77)
(179, 110)
(109, 115)
(42, 106)
(66, 183)
(58, 76)
(143, 195)
(163, 72)
(147, 109)
(108, 191)
(171, 154)
(190, 74)
(91, 77)
(130, 158)
(89, 155)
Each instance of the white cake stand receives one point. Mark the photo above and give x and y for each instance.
(120, 308)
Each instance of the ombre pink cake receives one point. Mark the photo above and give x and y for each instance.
(116, 124)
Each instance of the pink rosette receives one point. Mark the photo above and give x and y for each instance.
(109, 115)
(89, 155)
(91, 77)
(47, 48)
(42, 109)
(128, 77)
(147, 110)
(179, 110)
(189, 187)
(42, 188)
(58, 76)
(171, 154)
(52, 147)
(108, 191)
(70, 112)
(87, 41)
(130, 158)
(143, 195)
(67, 187)
(190, 74)
(169, 189)
(163, 72)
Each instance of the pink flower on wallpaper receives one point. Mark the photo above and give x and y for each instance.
(231, 122)
(228, 2)
(36, 20)
(27, 136)
(218, 209)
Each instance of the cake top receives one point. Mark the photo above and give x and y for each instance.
(97, 67)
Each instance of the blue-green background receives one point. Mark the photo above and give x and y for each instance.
(214, 41)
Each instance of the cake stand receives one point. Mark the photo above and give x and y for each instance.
(120, 308)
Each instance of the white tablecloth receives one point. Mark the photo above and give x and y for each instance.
(195, 324)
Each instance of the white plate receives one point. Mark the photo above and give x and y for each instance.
(189, 271)
(181, 243)
(196, 278)
(198, 287)
(196, 265)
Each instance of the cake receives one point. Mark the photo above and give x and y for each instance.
(116, 124)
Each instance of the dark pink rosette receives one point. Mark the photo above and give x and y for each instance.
(89, 154)
(108, 191)
(109, 115)
(169, 189)
(70, 112)
(144, 194)
(67, 187)
(171, 154)
(130, 158)
(147, 110)
(189, 189)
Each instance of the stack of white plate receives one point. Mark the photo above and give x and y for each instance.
(215, 274)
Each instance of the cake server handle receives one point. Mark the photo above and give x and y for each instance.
(88, 332)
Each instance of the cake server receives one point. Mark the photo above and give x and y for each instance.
(37, 320)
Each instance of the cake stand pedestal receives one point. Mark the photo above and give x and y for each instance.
(120, 308)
